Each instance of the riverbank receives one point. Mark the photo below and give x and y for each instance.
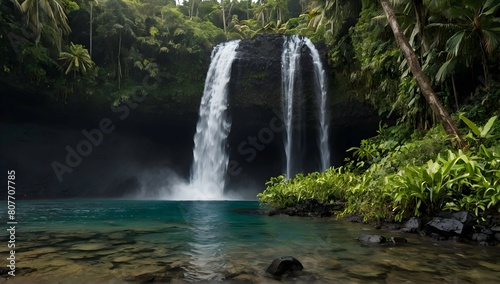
(460, 226)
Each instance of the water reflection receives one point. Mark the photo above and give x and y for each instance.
(205, 249)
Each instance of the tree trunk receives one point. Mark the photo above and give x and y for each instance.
(91, 19)
(420, 77)
(119, 63)
(191, 10)
(223, 16)
(454, 91)
(248, 9)
(38, 28)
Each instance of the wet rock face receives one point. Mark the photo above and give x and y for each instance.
(256, 73)
(445, 226)
(464, 217)
(256, 81)
(412, 225)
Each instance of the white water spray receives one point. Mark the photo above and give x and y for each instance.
(210, 141)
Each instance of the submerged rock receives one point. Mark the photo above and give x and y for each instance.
(481, 237)
(283, 265)
(437, 237)
(169, 274)
(458, 239)
(497, 236)
(376, 239)
(398, 240)
(89, 247)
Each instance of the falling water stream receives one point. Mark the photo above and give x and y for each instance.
(210, 150)
(290, 78)
(320, 85)
(290, 68)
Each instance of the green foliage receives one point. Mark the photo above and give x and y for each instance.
(396, 177)
(478, 134)
(424, 188)
(479, 174)
(377, 62)
(76, 60)
(327, 186)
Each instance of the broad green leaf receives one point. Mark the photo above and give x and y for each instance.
(492, 10)
(488, 126)
(471, 125)
(446, 69)
(453, 44)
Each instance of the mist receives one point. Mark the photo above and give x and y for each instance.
(127, 164)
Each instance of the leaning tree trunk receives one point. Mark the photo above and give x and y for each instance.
(91, 20)
(420, 77)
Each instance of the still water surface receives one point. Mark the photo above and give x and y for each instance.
(114, 241)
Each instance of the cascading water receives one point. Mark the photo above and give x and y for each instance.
(320, 84)
(290, 64)
(290, 73)
(210, 153)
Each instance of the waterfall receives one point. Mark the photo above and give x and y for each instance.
(290, 68)
(290, 78)
(320, 85)
(210, 150)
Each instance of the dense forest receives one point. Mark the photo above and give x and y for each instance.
(108, 50)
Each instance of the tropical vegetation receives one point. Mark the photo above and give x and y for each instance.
(429, 161)
(429, 67)
(393, 177)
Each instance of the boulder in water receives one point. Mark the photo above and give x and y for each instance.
(282, 265)
(398, 240)
(376, 239)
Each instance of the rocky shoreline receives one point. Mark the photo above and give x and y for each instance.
(447, 226)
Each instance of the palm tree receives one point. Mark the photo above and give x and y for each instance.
(91, 2)
(116, 28)
(260, 13)
(76, 60)
(476, 33)
(322, 10)
(43, 15)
